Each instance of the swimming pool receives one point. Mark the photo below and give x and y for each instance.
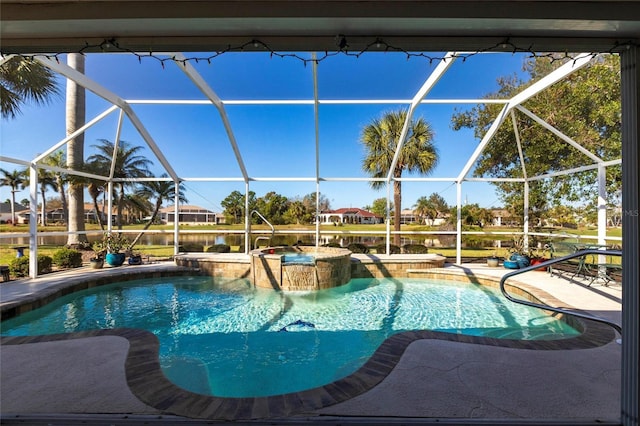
(229, 339)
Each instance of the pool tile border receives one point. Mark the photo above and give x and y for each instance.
(148, 383)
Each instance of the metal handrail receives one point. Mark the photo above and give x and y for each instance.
(553, 262)
(273, 230)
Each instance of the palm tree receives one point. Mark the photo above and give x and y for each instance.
(59, 159)
(418, 153)
(95, 187)
(17, 180)
(23, 80)
(297, 210)
(424, 209)
(75, 118)
(161, 191)
(128, 164)
(45, 179)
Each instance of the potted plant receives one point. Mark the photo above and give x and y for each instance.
(115, 243)
(540, 255)
(493, 260)
(519, 253)
(135, 258)
(99, 250)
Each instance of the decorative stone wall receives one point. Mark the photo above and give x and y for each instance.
(217, 265)
(331, 267)
(372, 266)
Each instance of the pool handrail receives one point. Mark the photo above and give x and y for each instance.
(548, 263)
(273, 230)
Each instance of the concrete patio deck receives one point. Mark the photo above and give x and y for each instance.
(429, 378)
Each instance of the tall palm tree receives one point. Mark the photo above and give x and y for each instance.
(23, 80)
(96, 187)
(297, 210)
(129, 163)
(46, 179)
(160, 191)
(17, 180)
(418, 153)
(59, 159)
(75, 118)
(424, 209)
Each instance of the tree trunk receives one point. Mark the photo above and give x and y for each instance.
(120, 205)
(63, 199)
(13, 207)
(43, 210)
(148, 224)
(75, 118)
(397, 205)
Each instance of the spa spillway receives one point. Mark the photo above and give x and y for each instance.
(300, 268)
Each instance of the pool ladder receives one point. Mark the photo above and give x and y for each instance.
(273, 231)
(547, 264)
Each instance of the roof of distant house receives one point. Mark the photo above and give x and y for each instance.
(6, 207)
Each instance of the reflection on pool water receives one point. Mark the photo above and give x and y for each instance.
(227, 338)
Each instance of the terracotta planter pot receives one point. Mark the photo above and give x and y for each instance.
(537, 261)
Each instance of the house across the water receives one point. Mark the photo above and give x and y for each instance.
(190, 215)
(349, 215)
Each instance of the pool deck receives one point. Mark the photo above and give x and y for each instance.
(416, 378)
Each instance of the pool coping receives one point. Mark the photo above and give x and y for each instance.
(148, 383)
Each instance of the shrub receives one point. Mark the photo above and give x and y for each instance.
(358, 248)
(219, 248)
(67, 258)
(382, 249)
(333, 245)
(19, 267)
(192, 247)
(415, 249)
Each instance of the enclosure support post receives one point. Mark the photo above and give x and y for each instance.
(247, 220)
(110, 206)
(389, 217)
(459, 223)
(316, 126)
(33, 220)
(176, 215)
(525, 217)
(630, 75)
(602, 210)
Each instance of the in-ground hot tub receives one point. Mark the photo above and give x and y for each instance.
(300, 268)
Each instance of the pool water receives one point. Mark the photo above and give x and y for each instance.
(298, 258)
(226, 338)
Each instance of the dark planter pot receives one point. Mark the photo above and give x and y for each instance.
(115, 259)
(135, 260)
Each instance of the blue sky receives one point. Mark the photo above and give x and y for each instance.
(274, 140)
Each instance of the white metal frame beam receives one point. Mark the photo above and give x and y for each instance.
(559, 134)
(431, 81)
(107, 95)
(213, 98)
